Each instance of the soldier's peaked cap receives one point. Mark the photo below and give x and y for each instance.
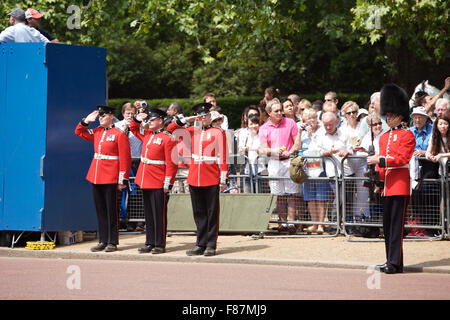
(202, 108)
(154, 113)
(106, 109)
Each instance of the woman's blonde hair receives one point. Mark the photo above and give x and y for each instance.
(309, 113)
(349, 104)
(304, 104)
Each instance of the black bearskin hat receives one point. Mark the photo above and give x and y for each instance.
(394, 99)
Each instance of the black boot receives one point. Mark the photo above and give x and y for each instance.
(197, 251)
(100, 247)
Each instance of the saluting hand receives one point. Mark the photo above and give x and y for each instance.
(141, 116)
(91, 117)
(191, 118)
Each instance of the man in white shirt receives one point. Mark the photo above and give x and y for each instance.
(331, 106)
(19, 31)
(332, 142)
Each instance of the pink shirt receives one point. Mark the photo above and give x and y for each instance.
(277, 136)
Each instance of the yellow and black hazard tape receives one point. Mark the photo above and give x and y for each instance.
(39, 245)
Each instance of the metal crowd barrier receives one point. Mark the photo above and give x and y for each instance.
(353, 208)
(135, 204)
(363, 212)
(447, 199)
(304, 218)
(359, 207)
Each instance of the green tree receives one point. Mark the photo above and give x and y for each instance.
(232, 47)
(412, 33)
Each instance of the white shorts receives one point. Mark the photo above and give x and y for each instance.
(277, 168)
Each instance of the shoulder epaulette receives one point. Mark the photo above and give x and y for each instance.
(169, 134)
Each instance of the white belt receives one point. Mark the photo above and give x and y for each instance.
(99, 156)
(148, 161)
(404, 166)
(204, 158)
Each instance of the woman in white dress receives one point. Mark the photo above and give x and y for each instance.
(356, 194)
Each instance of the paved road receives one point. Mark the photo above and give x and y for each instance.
(30, 278)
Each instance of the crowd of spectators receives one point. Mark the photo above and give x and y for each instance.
(335, 136)
(335, 141)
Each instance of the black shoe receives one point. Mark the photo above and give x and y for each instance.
(111, 248)
(390, 269)
(157, 250)
(146, 249)
(381, 267)
(209, 252)
(197, 251)
(100, 247)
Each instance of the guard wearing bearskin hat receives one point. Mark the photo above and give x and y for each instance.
(396, 149)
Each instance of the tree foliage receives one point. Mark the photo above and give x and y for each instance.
(422, 25)
(183, 48)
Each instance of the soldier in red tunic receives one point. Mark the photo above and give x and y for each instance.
(208, 173)
(109, 172)
(396, 149)
(155, 176)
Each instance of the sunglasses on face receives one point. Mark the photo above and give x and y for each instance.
(351, 112)
(376, 124)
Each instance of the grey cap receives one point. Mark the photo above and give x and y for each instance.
(18, 14)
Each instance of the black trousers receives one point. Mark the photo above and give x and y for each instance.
(105, 199)
(155, 212)
(205, 204)
(394, 211)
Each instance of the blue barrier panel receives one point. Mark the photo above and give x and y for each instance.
(48, 89)
(2, 122)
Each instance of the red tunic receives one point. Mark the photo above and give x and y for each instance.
(209, 161)
(112, 158)
(397, 148)
(158, 158)
(184, 154)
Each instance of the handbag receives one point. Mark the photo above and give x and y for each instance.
(296, 171)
